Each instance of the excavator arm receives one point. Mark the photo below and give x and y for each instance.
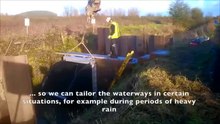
(92, 8)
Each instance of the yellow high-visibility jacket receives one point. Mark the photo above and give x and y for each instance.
(114, 30)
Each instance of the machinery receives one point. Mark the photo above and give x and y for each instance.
(92, 8)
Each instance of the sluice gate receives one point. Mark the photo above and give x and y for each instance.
(83, 72)
(77, 71)
(95, 72)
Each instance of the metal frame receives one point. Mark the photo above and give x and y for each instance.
(84, 59)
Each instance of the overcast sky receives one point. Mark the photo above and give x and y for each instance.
(12, 7)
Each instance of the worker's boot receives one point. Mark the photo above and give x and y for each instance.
(110, 54)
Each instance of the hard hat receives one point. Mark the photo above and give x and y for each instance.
(108, 19)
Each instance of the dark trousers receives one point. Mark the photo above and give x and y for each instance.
(113, 48)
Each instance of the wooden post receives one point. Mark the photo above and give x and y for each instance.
(27, 24)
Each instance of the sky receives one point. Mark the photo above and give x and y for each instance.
(145, 7)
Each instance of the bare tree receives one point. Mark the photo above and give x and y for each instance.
(70, 11)
(133, 12)
(150, 15)
(119, 12)
(107, 12)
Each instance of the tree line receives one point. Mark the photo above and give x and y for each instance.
(185, 16)
(179, 11)
(71, 11)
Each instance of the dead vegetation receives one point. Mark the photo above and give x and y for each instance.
(60, 34)
(41, 50)
(182, 71)
(156, 75)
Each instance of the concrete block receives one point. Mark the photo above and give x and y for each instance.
(18, 87)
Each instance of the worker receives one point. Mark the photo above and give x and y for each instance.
(114, 34)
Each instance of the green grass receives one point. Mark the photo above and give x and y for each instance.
(149, 28)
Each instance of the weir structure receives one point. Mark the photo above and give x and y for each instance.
(77, 72)
(83, 72)
(99, 64)
(95, 72)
